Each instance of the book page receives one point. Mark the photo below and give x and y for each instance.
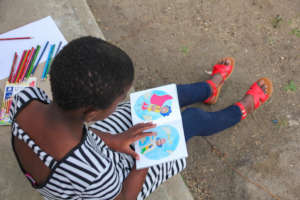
(167, 145)
(159, 105)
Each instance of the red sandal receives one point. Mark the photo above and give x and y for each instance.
(258, 94)
(225, 71)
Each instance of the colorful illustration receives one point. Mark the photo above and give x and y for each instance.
(153, 105)
(4, 112)
(10, 90)
(162, 145)
(5, 106)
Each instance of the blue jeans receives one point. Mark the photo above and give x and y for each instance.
(197, 122)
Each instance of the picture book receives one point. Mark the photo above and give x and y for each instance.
(9, 91)
(161, 106)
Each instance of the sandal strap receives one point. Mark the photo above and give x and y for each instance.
(258, 95)
(213, 92)
(243, 110)
(223, 70)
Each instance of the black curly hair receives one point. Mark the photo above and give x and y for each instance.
(89, 72)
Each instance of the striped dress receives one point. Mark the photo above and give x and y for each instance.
(91, 170)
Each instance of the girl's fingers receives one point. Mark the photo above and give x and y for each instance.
(133, 154)
(144, 134)
(143, 127)
(138, 128)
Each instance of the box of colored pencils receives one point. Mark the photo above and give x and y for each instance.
(9, 91)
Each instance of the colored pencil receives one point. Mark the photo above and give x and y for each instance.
(20, 63)
(16, 38)
(13, 68)
(27, 64)
(48, 61)
(8, 104)
(5, 105)
(33, 60)
(22, 67)
(58, 48)
(30, 62)
(38, 61)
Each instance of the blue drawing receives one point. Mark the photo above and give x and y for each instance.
(153, 105)
(162, 145)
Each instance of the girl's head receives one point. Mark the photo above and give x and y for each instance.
(90, 73)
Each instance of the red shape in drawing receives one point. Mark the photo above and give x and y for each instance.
(157, 102)
(144, 106)
(160, 100)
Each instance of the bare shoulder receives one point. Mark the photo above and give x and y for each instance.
(54, 138)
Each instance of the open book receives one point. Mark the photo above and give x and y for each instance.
(158, 105)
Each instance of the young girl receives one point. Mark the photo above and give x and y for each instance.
(64, 158)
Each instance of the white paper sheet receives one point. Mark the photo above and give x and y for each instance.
(42, 31)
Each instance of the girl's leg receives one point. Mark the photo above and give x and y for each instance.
(199, 92)
(197, 122)
(193, 93)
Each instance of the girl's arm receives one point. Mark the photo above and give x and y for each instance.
(132, 185)
(121, 142)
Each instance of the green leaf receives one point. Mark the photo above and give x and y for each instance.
(291, 86)
(296, 32)
(185, 50)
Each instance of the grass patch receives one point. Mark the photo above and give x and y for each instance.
(185, 50)
(296, 32)
(291, 86)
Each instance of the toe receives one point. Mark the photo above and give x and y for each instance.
(224, 61)
(263, 86)
(227, 62)
(221, 62)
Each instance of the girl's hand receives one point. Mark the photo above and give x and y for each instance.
(121, 142)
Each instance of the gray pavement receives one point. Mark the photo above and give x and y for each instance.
(74, 19)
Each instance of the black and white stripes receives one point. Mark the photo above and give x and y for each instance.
(157, 174)
(91, 170)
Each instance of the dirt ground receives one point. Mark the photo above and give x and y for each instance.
(176, 41)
